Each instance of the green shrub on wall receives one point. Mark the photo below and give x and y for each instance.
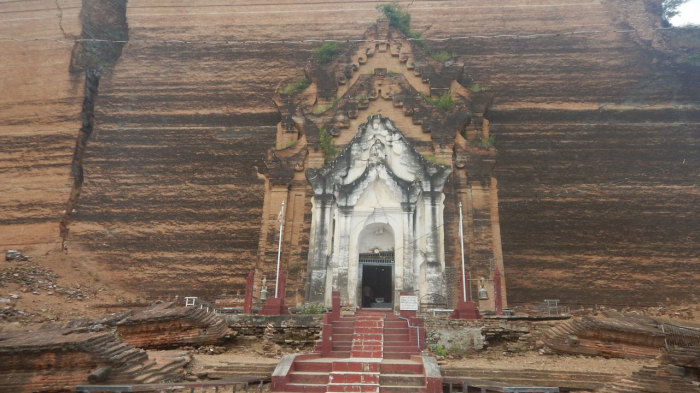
(327, 145)
(326, 52)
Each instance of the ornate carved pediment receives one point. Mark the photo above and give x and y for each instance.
(378, 150)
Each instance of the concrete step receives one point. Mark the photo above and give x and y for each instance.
(388, 367)
(356, 366)
(401, 389)
(306, 387)
(401, 380)
(313, 378)
(315, 367)
(342, 336)
(353, 388)
(396, 338)
(398, 355)
(353, 378)
(396, 324)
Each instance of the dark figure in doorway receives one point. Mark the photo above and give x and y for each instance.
(367, 294)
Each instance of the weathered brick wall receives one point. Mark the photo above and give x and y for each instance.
(45, 370)
(289, 330)
(171, 203)
(166, 326)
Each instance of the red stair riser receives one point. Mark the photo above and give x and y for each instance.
(368, 336)
(353, 388)
(397, 355)
(372, 324)
(393, 368)
(303, 388)
(354, 379)
(357, 367)
(402, 380)
(313, 367)
(308, 378)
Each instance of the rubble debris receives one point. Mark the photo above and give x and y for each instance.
(164, 325)
(677, 373)
(36, 279)
(208, 350)
(14, 255)
(60, 359)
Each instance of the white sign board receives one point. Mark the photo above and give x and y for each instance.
(408, 303)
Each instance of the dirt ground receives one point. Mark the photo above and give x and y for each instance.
(54, 288)
(534, 361)
(251, 354)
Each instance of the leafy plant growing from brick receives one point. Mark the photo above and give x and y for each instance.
(312, 309)
(400, 19)
(438, 350)
(322, 108)
(444, 101)
(296, 87)
(433, 158)
(397, 18)
(441, 55)
(327, 145)
(326, 52)
(485, 143)
(475, 87)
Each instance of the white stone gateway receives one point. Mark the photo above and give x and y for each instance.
(377, 221)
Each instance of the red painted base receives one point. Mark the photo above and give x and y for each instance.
(465, 310)
(274, 306)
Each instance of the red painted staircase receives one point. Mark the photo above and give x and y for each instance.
(371, 351)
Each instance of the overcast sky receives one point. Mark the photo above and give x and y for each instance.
(689, 14)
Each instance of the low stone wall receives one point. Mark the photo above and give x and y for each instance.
(287, 330)
(454, 335)
(460, 336)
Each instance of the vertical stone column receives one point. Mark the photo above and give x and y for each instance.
(409, 275)
(431, 199)
(434, 274)
(318, 246)
(340, 273)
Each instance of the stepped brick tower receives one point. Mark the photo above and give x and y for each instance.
(381, 214)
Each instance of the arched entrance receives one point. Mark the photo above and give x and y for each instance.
(376, 270)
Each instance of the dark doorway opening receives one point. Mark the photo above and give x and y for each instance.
(379, 280)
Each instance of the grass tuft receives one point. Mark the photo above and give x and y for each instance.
(475, 88)
(444, 102)
(441, 55)
(328, 146)
(485, 144)
(296, 87)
